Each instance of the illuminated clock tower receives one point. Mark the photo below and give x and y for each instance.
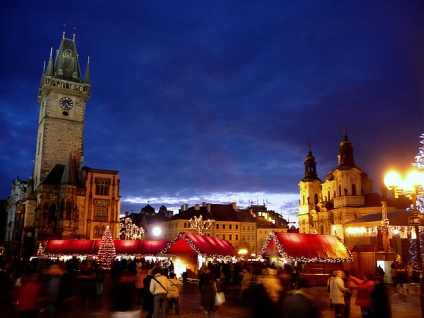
(62, 96)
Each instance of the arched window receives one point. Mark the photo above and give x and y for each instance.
(316, 198)
(96, 232)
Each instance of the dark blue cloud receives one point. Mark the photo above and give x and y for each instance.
(205, 100)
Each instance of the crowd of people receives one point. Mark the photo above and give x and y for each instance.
(371, 296)
(47, 287)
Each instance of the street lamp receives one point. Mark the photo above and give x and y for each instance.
(411, 186)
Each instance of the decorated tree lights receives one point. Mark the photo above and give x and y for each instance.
(200, 225)
(40, 250)
(107, 253)
(130, 231)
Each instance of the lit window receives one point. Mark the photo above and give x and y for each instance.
(102, 186)
(100, 210)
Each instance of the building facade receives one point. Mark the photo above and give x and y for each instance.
(344, 195)
(242, 228)
(64, 198)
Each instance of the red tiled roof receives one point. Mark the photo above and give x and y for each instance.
(306, 247)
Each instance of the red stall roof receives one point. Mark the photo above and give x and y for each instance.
(91, 247)
(69, 247)
(187, 242)
(306, 247)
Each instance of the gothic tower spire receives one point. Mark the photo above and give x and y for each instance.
(62, 96)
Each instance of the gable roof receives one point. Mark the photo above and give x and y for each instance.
(188, 242)
(306, 247)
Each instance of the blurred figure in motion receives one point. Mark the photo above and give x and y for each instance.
(300, 305)
(28, 295)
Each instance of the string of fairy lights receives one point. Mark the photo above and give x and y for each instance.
(279, 246)
(193, 246)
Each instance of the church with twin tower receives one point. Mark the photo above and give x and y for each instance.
(345, 194)
(65, 199)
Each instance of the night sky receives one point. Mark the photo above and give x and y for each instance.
(217, 101)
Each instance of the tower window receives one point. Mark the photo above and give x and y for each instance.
(68, 53)
(100, 210)
(102, 186)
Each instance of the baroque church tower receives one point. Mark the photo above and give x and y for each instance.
(346, 194)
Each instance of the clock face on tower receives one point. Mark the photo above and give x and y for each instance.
(66, 103)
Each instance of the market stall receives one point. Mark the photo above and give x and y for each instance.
(191, 250)
(315, 256)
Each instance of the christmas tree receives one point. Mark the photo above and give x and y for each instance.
(107, 253)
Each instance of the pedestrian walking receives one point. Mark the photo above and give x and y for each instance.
(364, 292)
(381, 305)
(159, 286)
(330, 287)
(393, 273)
(300, 305)
(246, 282)
(208, 292)
(349, 285)
(274, 289)
(173, 293)
(100, 278)
(138, 282)
(148, 298)
(337, 295)
(28, 296)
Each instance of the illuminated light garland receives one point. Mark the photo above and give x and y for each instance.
(193, 246)
(130, 230)
(197, 223)
(273, 236)
(372, 231)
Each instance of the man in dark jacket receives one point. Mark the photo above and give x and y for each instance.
(148, 296)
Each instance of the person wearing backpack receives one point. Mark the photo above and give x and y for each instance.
(173, 293)
(159, 286)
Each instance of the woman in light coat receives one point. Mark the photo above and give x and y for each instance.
(337, 294)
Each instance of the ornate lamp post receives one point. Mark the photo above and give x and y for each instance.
(412, 186)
